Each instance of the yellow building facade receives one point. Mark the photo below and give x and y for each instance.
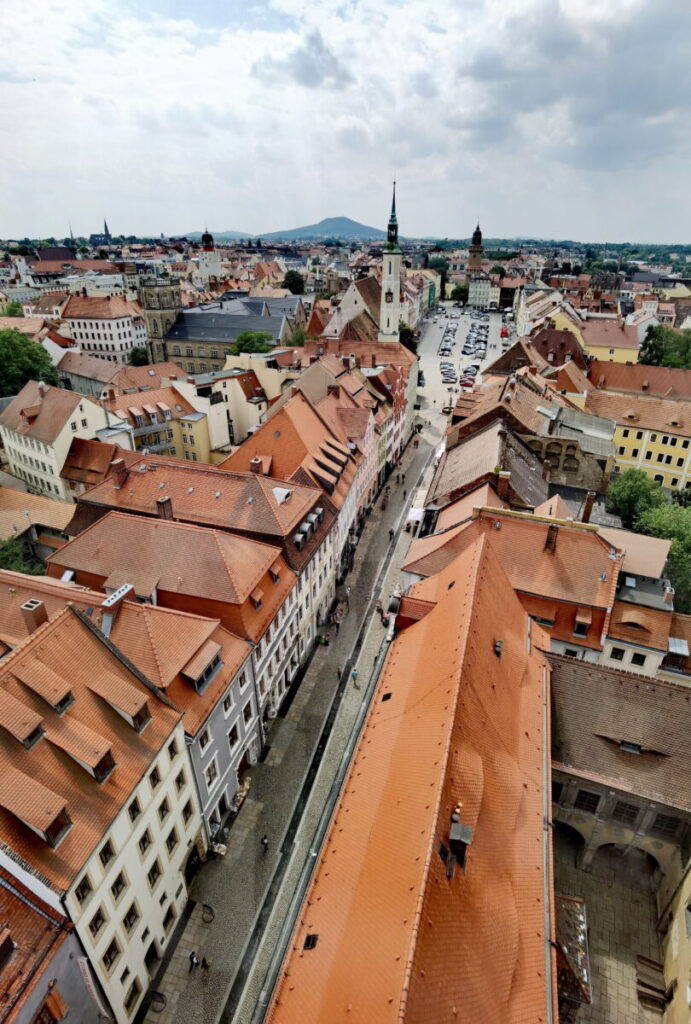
(664, 456)
(614, 354)
(676, 949)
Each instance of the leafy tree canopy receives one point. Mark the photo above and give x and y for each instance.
(407, 337)
(14, 557)
(12, 309)
(294, 282)
(664, 346)
(673, 522)
(460, 293)
(138, 356)
(498, 269)
(631, 494)
(438, 263)
(297, 338)
(251, 341)
(22, 359)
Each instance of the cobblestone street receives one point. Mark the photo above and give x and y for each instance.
(621, 926)
(236, 885)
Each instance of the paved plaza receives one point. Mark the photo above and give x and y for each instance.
(621, 925)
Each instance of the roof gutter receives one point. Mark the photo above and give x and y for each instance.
(546, 848)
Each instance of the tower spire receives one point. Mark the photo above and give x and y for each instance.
(392, 232)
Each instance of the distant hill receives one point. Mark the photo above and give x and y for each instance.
(330, 227)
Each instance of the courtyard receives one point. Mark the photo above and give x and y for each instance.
(621, 925)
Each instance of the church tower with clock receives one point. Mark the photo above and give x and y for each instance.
(390, 308)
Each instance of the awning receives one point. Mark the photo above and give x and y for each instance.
(415, 515)
(584, 615)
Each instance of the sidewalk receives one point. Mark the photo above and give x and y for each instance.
(237, 885)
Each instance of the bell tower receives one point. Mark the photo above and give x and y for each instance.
(390, 308)
(476, 250)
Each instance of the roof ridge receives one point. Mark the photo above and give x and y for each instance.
(479, 553)
(154, 650)
(231, 577)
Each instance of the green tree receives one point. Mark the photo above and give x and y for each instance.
(664, 346)
(294, 282)
(406, 336)
(498, 269)
(297, 338)
(673, 522)
(14, 557)
(21, 360)
(12, 309)
(460, 293)
(252, 341)
(138, 356)
(631, 494)
(439, 263)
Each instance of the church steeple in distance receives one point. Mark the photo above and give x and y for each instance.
(392, 231)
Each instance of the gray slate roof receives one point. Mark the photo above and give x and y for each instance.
(221, 326)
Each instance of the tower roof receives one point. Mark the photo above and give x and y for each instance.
(477, 236)
(207, 240)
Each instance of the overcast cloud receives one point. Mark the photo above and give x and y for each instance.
(557, 119)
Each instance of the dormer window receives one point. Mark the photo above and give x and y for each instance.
(104, 767)
(65, 702)
(256, 598)
(201, 669)
(275, 572)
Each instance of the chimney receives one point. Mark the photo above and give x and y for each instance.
(42, 388)
(119, 471)
(255, 465)
(588, 507)
(503, 478)
(111, 606)
(34, 614)
(551, 538)
(668, 595)
(546, 469)
(164, 508)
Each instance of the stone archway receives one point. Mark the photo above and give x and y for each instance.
(626, 864)
(568, 843)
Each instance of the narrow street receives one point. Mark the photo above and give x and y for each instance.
(250, 891)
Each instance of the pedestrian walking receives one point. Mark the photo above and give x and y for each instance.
(380, 610)
(265, 843)
(194, 961)
(405, 495)
(354, 675)
(390, 535)
(339, 672)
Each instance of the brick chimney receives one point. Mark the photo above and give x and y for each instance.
(588, 506)
(551, 538)
(668, 596)
(164, 508)
(255, 465)
(119, 472)
(503, 478)
(42, 388)
(34, 614)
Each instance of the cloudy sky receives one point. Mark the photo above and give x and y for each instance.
(555, 119)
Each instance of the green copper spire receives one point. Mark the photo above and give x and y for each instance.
(392, 232)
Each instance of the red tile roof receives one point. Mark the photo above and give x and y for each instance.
(90, 462)
(661, 381)
(106, 307)
(665, 415)
(397, 940)
(609, 334)
(40, 414)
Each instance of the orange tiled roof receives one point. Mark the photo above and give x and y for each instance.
(661, 381)
(106, 307)
(297, 437)
(648, 627)
(67, 647)
(84, 365)
(643, 555)
(89, 462)
(462, 509)
(191, 567)
(41, 415)
(149, 377)
(609, 334)
(396, 939)
(665, 415)
(20, 510)
(572, 572)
